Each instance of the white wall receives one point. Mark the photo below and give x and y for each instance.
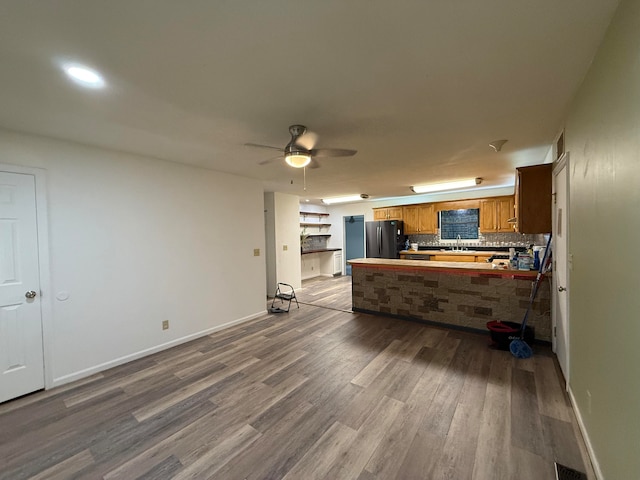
(284, 209)
(270, 241)
(135, 241)
(602, 136)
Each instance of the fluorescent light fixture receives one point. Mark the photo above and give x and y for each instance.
(439, 187)
(348, 198)
(297, 160)
(84, 76)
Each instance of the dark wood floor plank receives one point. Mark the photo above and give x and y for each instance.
(493, 452)
(387, 459)
(369, 436)
(161, 404)
(559, 436)
(552, 398)
(319, 459)
(418, 462)
(218, 455)
(67, 468)
(377, 365)
(273, 397)
(165, 469)
(526, 425)
(458, 453)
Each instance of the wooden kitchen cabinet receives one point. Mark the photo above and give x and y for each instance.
(452, 258)
(533, 198)
(387, 213)
(495, 214)
(419, 219)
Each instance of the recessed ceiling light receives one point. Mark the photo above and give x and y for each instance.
(84, 76)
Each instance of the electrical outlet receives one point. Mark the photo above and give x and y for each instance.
(570, 261)
(285, 247)
(165, 324)
(256, 252)
(589, 402)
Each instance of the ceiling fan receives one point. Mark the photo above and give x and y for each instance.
(300, 151)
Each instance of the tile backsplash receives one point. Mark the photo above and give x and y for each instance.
(484, 240)
(314, 243)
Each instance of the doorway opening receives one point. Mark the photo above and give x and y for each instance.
(353, 239)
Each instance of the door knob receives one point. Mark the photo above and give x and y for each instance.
(30, 294)
(561, 289)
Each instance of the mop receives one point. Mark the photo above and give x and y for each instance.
(518, 346)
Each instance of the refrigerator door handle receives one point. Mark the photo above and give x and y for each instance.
(379, 241)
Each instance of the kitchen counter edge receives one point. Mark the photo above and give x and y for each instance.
(454, 267)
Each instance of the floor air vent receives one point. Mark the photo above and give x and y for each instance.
(566, 473)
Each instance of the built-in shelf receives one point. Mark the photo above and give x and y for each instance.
(314, 224)
(317, 214)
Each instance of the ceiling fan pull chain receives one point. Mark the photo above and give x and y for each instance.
(304, 178)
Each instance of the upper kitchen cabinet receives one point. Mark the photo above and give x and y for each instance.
(419, 219)
(533, 198)
(495, 214)
(387, 213)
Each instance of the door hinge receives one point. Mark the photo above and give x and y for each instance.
(554, 332)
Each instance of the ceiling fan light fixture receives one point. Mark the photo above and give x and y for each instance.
(297, 159)
(345, 199)
(439, 187)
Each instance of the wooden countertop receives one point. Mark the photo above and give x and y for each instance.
(454, 267)
(320, 250)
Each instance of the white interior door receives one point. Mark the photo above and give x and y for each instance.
(21, 343)
(561, 261)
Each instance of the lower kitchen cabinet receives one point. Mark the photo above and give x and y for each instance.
(452, 258)
(337, 263)
(317, 264)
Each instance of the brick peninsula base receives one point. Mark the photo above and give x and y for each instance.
(457, 294)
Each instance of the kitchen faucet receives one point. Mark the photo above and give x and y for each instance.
(458, 242)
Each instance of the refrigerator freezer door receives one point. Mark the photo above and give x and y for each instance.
(388, 244)
(373, 235)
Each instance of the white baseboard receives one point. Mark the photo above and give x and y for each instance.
(148, 351)
(585, 436)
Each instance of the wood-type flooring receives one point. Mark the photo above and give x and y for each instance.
(317, 393)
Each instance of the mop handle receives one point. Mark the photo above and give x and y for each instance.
(541, 270)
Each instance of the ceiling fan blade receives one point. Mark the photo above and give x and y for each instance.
(332, 152)
(307, 140)
(269, 160)
(261, 146)
(314, 163)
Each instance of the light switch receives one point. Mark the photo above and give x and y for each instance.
(570, 261)
(285, 247)
(256, 252)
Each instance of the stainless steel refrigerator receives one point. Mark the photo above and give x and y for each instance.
(385, 238)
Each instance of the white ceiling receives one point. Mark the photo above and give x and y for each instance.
(419, 88)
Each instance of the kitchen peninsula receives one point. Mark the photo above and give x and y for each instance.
(456, 294)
